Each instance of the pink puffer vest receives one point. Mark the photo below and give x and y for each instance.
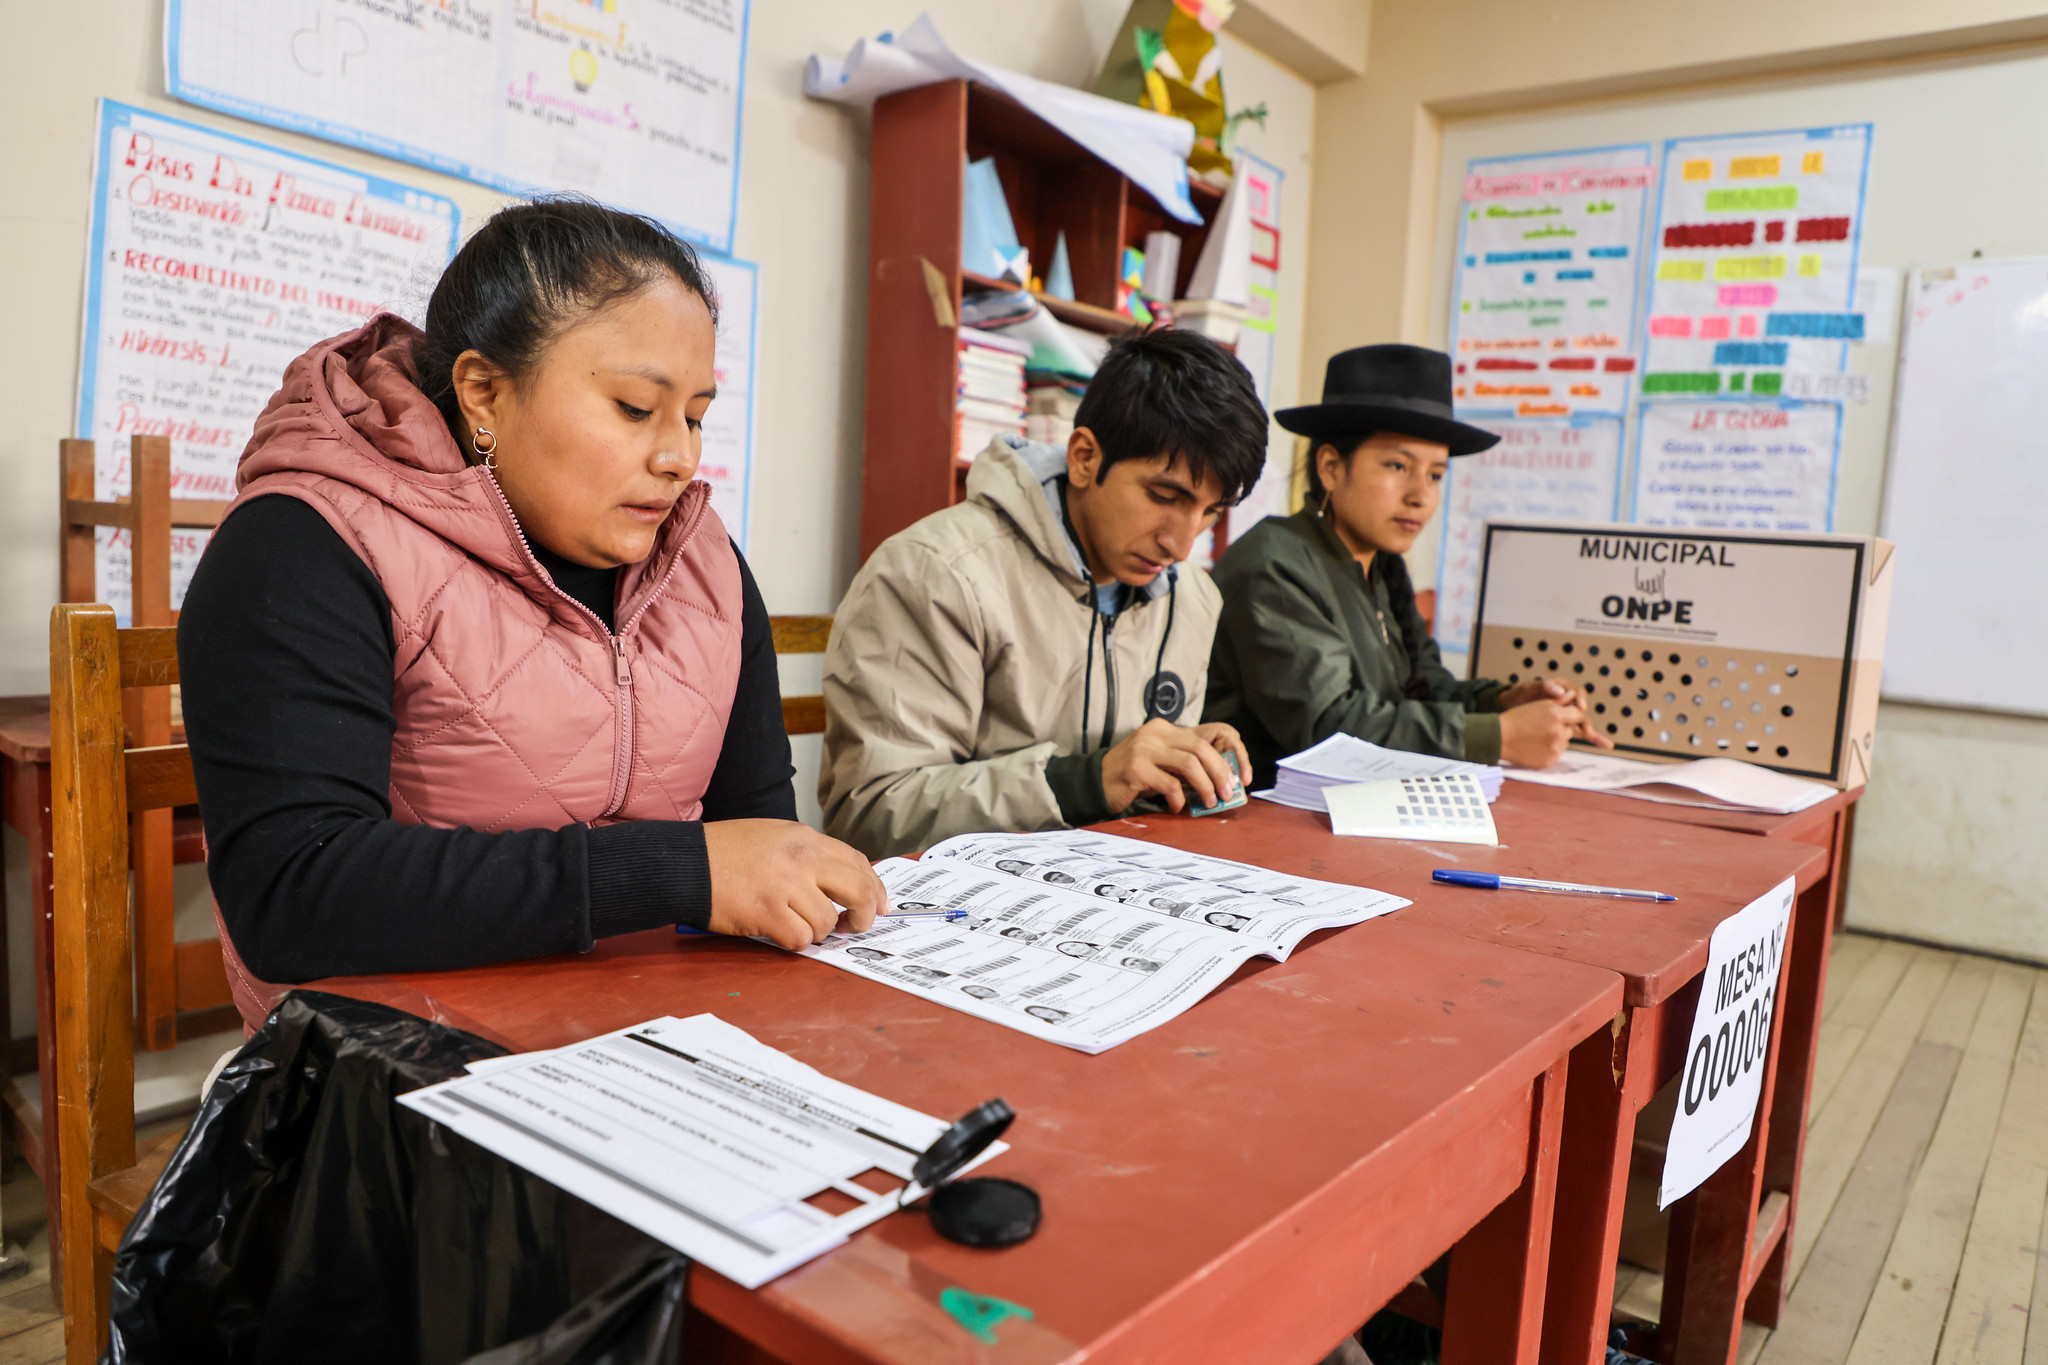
(515, 708)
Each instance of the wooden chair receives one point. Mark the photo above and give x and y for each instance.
(802, 635)
(99, 782)
(172, 979)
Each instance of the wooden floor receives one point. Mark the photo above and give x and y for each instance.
(1925, 1205)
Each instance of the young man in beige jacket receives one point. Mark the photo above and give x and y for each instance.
(1026, 659)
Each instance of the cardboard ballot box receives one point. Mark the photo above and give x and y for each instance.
(1693, 644)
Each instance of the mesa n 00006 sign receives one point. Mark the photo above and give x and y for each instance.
(1686, 644)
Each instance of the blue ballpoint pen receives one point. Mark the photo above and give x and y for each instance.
(1489, 882)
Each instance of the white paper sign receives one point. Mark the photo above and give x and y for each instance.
(214, 262)
(1766, 466)
(633, 102)
(1730, 1041)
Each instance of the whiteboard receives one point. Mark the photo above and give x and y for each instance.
(1966, 492)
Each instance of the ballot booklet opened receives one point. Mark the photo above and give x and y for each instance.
(700, 1136)
(1083, 939)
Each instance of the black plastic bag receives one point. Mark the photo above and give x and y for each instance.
(307, 1217)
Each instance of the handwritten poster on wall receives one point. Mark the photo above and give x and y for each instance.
(727, 463)
(633, 102)
(1545, 469)
(1756, 466)
(1544, 311)
(1753, 275)
(1269, 497)
(213, 262)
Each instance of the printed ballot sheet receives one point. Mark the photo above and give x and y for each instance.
(1085, 940)
(1712, 783)
(700, 1136)
(1303, 777)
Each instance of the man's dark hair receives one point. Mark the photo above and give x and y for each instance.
(533, 271)
(1172, 392)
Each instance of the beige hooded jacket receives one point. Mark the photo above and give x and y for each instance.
(961, 658)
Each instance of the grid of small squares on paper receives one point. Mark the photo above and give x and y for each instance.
(1453, 799)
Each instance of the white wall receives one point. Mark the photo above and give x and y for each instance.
(802, 216)
(1946, 846)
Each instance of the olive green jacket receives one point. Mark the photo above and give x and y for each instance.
(1308, 646)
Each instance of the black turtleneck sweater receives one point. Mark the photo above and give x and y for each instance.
(286, 654)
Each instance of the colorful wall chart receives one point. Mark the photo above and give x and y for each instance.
(1754, 261)
(1757, 465)
(634, 102)
(1544, 310)
(212, 262)
(1752, 296)
(1544, 469)
(727, 463)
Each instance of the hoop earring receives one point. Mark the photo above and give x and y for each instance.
(487, 455)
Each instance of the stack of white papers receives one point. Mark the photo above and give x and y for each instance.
(1342, 758)
(1712, 783)
(699, 1135)
(1448, 809)
(1082, 939)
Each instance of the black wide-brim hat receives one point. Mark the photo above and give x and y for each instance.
(1405, 389)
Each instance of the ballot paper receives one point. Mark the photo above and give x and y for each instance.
(1082, 939)
(1712, 783)
(1447, 809)
(1344, 758)
(700, 1136)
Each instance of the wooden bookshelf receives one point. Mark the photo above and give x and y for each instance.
(922, 140)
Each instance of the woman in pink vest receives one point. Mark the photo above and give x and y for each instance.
(472, 671)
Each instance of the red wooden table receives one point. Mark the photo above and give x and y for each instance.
(1731, 1238)
(1247, 1182)
(1829, 826)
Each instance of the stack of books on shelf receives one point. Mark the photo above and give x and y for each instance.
(990, 401)
(1049, 408)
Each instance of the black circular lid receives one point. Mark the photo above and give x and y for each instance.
(985, 1211)
(963, 1142)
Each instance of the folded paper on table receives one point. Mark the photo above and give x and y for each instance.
(1082, 939)
(1712, 783)
(697, 1134)
(1345, 758)
(1447, 809)
(1150, 148)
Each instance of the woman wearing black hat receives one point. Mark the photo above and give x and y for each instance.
(1320, 633)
